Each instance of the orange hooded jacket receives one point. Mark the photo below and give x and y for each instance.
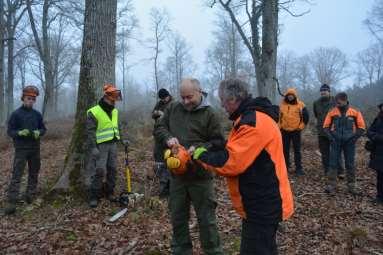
(254, 165)
(291, 115)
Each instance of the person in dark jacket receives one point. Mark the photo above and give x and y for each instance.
(344, 125)
(375, 134)
(25, 126)
(321, 107)
(254, 165)
(159, 166)
(293, 118)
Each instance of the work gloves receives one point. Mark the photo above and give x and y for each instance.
(36, 134)
(198, 152)
(177, 159)
(24, 132)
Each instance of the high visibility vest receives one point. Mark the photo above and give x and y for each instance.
(107, 129)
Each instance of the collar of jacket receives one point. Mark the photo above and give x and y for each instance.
(26, 108)
(344, 109)
(105, 106)
(203, 104)
(326, 99)
(261, 104)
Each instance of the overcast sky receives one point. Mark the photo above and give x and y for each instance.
(335, 23)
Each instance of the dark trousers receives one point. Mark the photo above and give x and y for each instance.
(201, 195)
(21, 158)
(348, 149)
(258, 239)
(379, 185)
(324, 148)
(104, 164)
(163, 175)
(295, 138)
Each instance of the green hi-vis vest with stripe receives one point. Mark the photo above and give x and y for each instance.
(107, 129)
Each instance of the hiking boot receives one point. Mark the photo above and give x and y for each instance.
(377, 201)
(10, 209)
(352, 190)
(28, 198)
(299, 172)
(330, 189)
(93, 203)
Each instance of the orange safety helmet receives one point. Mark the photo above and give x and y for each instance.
(180, 155)
(112, 93)
(30, 90)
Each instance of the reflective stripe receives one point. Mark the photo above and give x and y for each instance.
(107, 128)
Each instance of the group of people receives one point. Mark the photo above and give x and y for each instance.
(190, 148)
(339, 126)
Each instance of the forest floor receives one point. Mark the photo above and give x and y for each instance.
(321, 224)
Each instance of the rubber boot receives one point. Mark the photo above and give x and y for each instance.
(10, 208)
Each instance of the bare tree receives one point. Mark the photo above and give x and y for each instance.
(179, 63)
(304, 73)
(371, 62)
(257, 23)
(126, 26)
(286, 69)
(159, 27)
(97, 67)
(374, 22)
(329, 65)
(14, 12)
(225, 56)
(21, 61)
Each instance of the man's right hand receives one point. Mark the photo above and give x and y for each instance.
(172, 142)
(24, 132)
(95, 152)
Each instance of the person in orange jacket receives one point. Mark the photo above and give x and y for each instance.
(343, 126)
(253, 163)
(293, 117)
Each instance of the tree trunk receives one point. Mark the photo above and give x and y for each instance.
(10, 66)
(97, 67)
(2, 95)
(267, 73)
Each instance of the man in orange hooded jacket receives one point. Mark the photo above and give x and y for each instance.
(254, 165)
(293, 117)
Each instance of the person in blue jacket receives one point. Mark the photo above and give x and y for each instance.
(25, 127)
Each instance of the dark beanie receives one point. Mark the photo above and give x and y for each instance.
(341, 96)
(324, 87)
(162, 93)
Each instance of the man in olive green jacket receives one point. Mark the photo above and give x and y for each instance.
(191, 123)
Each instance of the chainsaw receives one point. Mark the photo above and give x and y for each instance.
(126, 197)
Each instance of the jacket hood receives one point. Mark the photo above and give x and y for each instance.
(291, 91)
(261, 104)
